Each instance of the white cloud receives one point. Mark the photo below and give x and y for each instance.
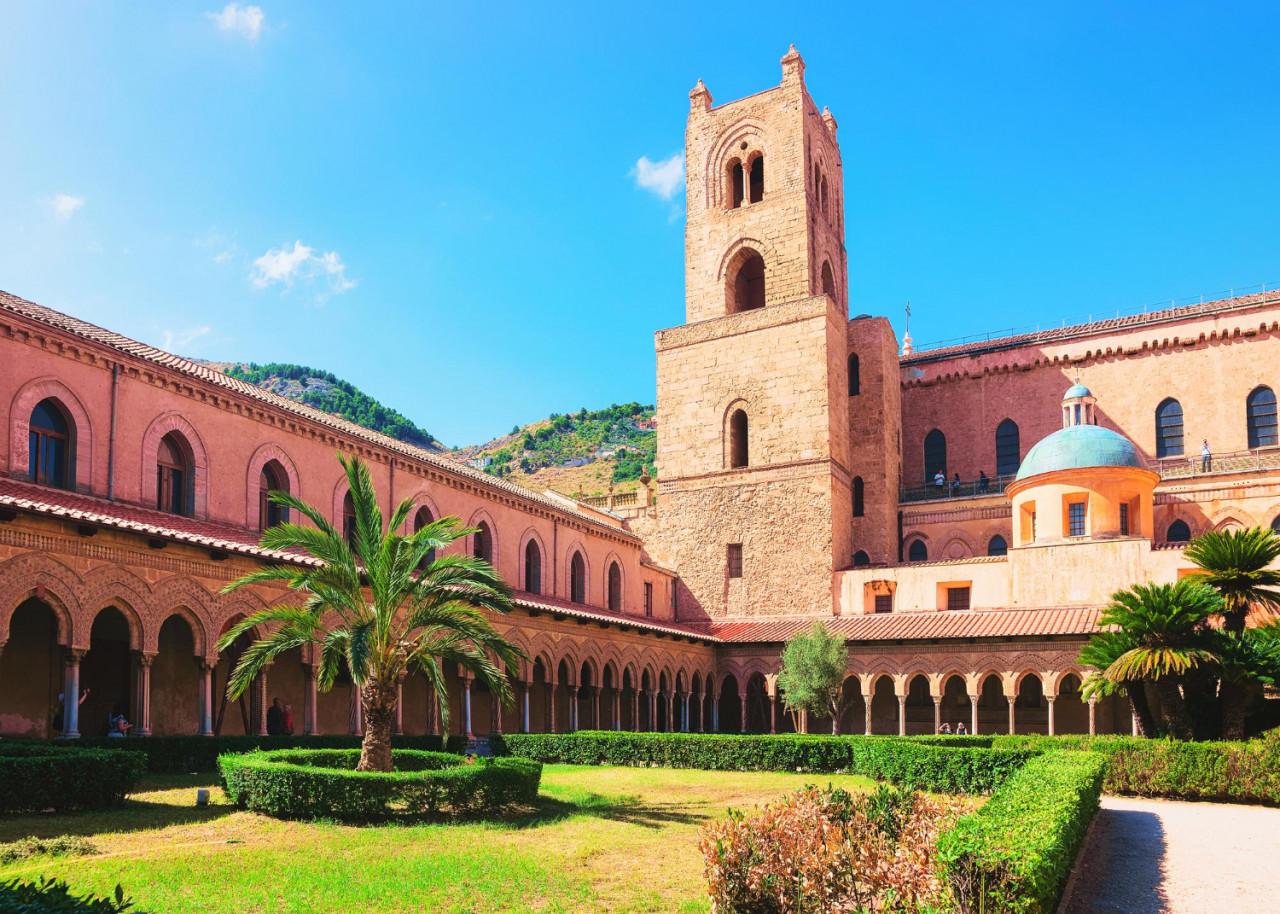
(302, 263)
(182, 338)
(65, 205)
(245, 20)
(662, 178)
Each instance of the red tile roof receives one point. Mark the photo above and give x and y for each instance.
(923, 626)
(558, 606)
(83, 329)
(1058, 334)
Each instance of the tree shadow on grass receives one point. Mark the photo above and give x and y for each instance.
(630, 809)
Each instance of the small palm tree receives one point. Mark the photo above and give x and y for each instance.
(1102, 650)
(382, 604)
(1166, 622)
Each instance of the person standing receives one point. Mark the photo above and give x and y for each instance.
(960, 729)
(59, 717)
(939, 480)
(274, 714)
(286, 720)
(1206, 457)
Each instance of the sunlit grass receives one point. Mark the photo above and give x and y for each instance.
(608, 839)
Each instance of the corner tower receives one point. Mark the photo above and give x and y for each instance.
(752, 390)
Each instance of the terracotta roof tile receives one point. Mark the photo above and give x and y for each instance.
(923, 625)
(542, 603)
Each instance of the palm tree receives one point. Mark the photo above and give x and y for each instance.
(1166, 622)
(1102, 650)
(381, 603)
(1236, 565)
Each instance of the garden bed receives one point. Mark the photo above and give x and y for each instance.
(43, 776)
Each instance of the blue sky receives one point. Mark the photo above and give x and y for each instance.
(442, 204)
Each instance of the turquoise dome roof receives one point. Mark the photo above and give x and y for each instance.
(1077, 390)
(1077, 447)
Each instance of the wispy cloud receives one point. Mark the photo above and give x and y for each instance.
(301, 264)
(245, 21)
(663, 178)
(64, 205)
(182, 338)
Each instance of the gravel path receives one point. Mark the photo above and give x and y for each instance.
(1148, 856)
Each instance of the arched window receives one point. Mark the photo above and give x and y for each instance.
(615, 587)
(738, 453)
(349, 519)
(578, 579)
(935, 455)
(737, 184)
(822, 200)
(52, 453)
(423, 518)
(748, 284)
(1179, 532)
(855, 379)
(858, 506)
(482, 542)
(532, 567)
(1169, 428)
(272, 479)
(173, 476)
(1275, 524)
(997, 546)
(917, 551)
(1260, 408)
(861, 558)
(828, 279)
(1007, 450)
(757, 179)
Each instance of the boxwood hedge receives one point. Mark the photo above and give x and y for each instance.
(323, 783)
(43, 776)
(1015, 853)
(938, 764)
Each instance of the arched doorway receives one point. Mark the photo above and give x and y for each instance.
(242, 716)
(175, 680)
(1030, 708)
(993, 709)
(884, 707)
(564, 723)
(540, 698)
(31, 672)
(853, 716)
(759, 706)
(956, 706)
(919, 706)
(1070, 712)
(107, 672)
(630, 702)
(730, 706)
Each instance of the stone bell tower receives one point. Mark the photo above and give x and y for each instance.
(752, 390)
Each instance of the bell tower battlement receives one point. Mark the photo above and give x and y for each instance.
(764, 200)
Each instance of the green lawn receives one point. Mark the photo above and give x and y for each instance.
(601, 839)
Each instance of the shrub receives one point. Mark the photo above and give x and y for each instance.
(41, 776)
(936, 765)
(51, 897)
(1015, 853)
(61, 846)
(323, 783)
(827, 850)
(183, 754)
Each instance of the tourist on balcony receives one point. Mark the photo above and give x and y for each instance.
(1206, 457)
(983, 482)
(939, 481)
(955, 485)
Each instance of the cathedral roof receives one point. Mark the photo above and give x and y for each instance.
(1078, 447)
(923, 625)
(1076, 391)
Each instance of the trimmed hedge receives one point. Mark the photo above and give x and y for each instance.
(1014, 854)
(183, 754)
(37, 777)
(934, 764)
(322, 783)
(49, 896)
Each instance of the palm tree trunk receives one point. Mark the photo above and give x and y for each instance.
(379, 705)
(1234, 697)
(1173, 709)
(1136, 689)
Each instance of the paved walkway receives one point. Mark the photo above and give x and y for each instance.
(1148, 856)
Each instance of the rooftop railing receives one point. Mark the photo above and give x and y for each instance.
(970, 488)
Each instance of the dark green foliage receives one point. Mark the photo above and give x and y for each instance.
(920, 764)
(48, 896)
(61, 846)
(323, 783)
(183, 754)
(1015, 853)
(39, 776)
(334, 395)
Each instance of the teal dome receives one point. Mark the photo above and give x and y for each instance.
(1077, 390)
(1077, 447)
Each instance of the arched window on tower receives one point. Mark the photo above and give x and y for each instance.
(1260, 410)
(737, 184)
(738, 453)
(822, 202)
(757, 179)
(935, 455)
(482, 542)
(1178, 532)
(855, 379)
(828, 279)
(615, 587)
(917, 551)
(532, 567)
(52, 446)
(1007, 448)
(173, 476)
(748, 283)
(349, 519)
(997, 546)
(858, 506)
(272, 479)
(578, 579)
(860, 558)
(1169, 428)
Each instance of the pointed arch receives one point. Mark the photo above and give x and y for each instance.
(174, 433)
(292, 483)
(24, 402)
(1260, 417)
(1008, 448)
(532, 552)
(1169, 428)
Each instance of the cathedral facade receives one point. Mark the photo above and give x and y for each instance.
(959, 515)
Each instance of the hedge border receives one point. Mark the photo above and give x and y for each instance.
(323, 783)
(42, 777)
